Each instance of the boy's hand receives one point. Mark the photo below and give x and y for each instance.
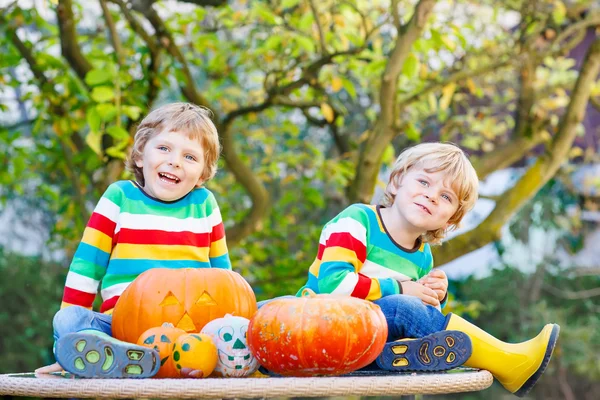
(191, 373)
(427, 295)
(437, 281)
(49, 368)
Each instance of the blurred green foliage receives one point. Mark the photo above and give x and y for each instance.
(30, 293)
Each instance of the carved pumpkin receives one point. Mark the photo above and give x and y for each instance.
(162, 339)
(317, 335)
(188, 298)
(229, 335)
(195, 351)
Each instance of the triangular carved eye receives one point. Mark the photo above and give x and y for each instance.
(169, 300)
(206, 300)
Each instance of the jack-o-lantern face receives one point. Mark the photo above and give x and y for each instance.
(229, 335)
(187, 298)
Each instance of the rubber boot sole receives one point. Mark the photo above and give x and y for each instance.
(90, 356)
(530, 383)
(439, 351)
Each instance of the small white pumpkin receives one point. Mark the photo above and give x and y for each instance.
(229, 335)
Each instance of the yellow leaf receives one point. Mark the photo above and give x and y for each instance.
(327, 112)
(447, 93)
(336, 84)
(252, 117)
(94, 140)
(432, 102)
(545, 135)
(575, 152)
(338, 20)
(471, 86)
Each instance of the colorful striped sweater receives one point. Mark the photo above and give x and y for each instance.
(358, 257)
(130, 232)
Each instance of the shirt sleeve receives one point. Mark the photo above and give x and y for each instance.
(218, 254)
(90, 261)
(342, 253)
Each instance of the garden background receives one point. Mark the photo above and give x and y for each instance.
(313, 101)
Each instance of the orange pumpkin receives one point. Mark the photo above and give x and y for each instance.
(195, 351)
(188, 298)
(162, 339)
(317, 335)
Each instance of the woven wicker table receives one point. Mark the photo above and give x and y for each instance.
(370, 385)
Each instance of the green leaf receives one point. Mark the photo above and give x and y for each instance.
(98, 76)
(389, 154)
(559, 12)
(103, 94)
(412, 133)
(107, 111)
(289, 3)
(411, 66)
(132, 112)
(117, 132)
(93, 119)
(305, 43)
(349, 86)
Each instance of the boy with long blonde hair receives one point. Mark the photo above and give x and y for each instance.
(382, 254)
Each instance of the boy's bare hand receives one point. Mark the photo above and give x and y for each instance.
(437, 281)
(191, 373)
(427, 295)
(49, 368)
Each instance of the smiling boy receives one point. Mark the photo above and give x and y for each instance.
(382, 254)
(165, 218)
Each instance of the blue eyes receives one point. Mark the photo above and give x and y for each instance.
(187, 156)
(426, 184)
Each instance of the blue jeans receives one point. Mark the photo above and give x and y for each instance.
(408, 317)
(76, 318)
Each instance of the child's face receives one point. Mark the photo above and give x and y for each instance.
(424, 200)
(172, 165)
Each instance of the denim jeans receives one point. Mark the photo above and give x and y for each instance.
(76, 318)
(408, 317)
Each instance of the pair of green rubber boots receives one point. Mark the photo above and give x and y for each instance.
(516, 366)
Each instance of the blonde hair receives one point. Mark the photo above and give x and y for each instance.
(434, 157)
(191, 119)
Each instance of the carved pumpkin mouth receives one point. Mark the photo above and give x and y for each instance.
(186, 323)
(237, 361)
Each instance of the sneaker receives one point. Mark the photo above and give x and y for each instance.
(94, 354)
(439, 351)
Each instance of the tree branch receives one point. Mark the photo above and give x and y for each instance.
(188, 89)
(68, 39)
(506, 155)
(54, 102)
(153, 67)
(313, 8)
(455, 77)
(570, 295)
(537, 175)
(114, 36)
(370, 156)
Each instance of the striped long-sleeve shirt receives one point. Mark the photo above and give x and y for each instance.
(130, 232)
(358, 257)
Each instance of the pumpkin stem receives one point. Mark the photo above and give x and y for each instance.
(167, 325)
(307, 292)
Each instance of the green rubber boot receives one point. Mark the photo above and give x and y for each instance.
(94, 354)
